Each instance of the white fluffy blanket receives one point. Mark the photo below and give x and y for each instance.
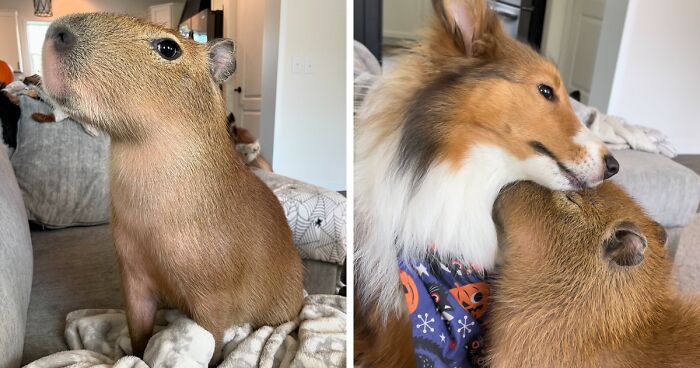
(100, 339)
(618, 134)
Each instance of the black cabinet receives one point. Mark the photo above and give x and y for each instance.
(368, 25)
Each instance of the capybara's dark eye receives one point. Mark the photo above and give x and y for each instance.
(546, 91)
(168, 49)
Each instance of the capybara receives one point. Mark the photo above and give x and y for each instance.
(586, 282)
(194, 228)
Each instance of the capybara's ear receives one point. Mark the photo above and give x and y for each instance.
(222, 60)
(626, 246)
(661, 232)
(466, 22)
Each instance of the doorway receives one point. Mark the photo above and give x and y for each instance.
(244, 22)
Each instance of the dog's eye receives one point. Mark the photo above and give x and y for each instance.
(167, 49)
(546, 91)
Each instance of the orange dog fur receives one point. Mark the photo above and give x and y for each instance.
(464, 113)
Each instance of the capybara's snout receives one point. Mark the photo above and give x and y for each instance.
(61, 37)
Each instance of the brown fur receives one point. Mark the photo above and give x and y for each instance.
(558, 302)
(243, 136)
(43, 118)
(447, 95)
(511, 102)
(260, 163)
(507, 111)
(380, 343)
(10, 97)
(34, 79)
(194, 228)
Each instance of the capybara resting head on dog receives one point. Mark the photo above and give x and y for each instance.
(586, 283)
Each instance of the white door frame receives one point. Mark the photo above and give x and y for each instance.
(559, 22)
(266, 102)
(608, 53)
(237, 100)
(229, 8)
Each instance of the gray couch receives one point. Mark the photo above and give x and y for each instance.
(15, 266)
(668, 191)
(75, 268)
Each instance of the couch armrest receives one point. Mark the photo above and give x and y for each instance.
(668, 191)
(15, 266)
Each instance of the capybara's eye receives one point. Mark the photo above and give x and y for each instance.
(573, 197)
(546, 91)
(167, 48)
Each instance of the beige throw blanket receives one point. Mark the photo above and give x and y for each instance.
(100, 339)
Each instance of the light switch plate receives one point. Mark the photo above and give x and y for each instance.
(297, 64)
(308, 65)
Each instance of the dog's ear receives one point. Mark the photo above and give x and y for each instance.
(469, 24)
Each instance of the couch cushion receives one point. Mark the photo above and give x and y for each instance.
(61, 170)
(668, 191)
(15, 266)
(316, 216)
(74, 268)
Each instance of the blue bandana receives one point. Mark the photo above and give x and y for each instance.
(448, 307)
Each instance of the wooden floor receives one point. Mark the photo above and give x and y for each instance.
(691, 161)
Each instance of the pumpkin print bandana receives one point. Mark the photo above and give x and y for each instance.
(448, 308)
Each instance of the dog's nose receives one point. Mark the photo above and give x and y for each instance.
(63, 39)
(611, 166)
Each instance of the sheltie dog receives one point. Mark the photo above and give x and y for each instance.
(465, 112)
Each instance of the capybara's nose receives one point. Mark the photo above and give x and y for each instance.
(611, 166)
(63, 39)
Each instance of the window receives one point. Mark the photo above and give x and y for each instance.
(35, 40)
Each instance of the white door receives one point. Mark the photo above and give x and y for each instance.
(161, 14)
(9, 41)
(244, 21)
(578, 53)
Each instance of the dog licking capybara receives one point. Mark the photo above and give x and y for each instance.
(586, 282)
(194, 228)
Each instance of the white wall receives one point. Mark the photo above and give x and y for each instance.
(657, 77)
(310, 109)
(25, 9)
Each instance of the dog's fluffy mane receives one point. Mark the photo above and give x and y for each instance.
(408, 201)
